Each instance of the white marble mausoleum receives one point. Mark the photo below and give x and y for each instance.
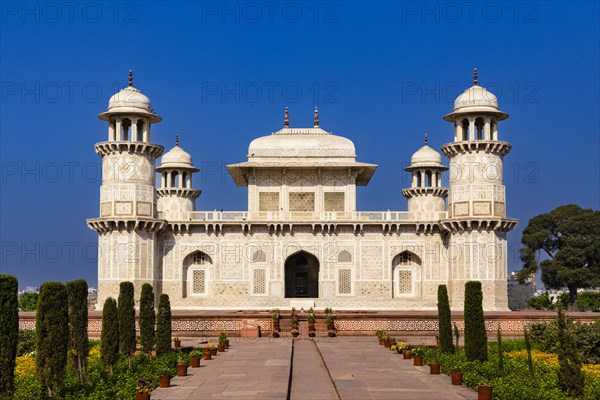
(302, 241)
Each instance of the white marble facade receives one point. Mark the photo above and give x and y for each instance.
(302, 241)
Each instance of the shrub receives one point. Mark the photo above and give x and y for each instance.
(109, 338)
(445, 320)
(147, 318)
(26, 342)
(126, 312)
(570, 376)
(163, 326)
(475, 332)
(77, 292)
(588, 301)
(9, 333)
(52, 331)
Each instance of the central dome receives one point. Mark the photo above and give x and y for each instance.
(301, 143)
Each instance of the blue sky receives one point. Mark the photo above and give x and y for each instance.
(221, 73)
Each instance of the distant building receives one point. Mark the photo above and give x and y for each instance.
(302, 242)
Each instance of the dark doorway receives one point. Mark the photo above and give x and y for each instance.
(302, 275)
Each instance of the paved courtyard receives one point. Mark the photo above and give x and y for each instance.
(345, 368)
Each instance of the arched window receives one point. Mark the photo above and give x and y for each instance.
(184, 179)
(428, 178)
(404, 273)
(344, 256)
(140, 130)
(174, 179)
(126, 127)
(418, 178)
(465, 129)
(479, 128)
(195, 274)
(259, 256)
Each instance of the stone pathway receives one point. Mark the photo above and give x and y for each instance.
(362, 370)
(342, 368)
(250, 369)
(310, 378)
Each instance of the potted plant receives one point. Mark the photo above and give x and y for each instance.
(213, 350)
(312, 333)
(418, 355)
(182, 364)
(208, 352)
(226, 343)
(332, 332)
(311, 319)
(222, 339)
(457, 376)
(330, 322)
(401, 346)
(484, 391)
(434, 367)
(393, 347)
(388, 341)
(380, 333)
(165, 372)
(295, 332)
(406, 354)
(176, 342)
(433, 356)
(195, 357)
(275, 316)
(143, 389)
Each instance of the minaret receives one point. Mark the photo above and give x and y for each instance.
(426, 196)
(477, 222)
(128, 222)
(176, 195)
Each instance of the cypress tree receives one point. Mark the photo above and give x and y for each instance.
(445, 320)
(147, 318)
(163, 326)
(500, 351)
(52, 331)
(78, 321)
(570, 376)
(109, 338)
(475, 333)
(9, 333)
(126, 312)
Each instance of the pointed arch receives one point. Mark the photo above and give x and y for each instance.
(301, 275)
(405, 266)
(196, 271)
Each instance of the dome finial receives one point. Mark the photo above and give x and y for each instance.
(426, 140)
(130, 78)
(177, 139)
(286, 118)
(475, 80)
(316, 116)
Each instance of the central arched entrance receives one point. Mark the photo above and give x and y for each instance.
(302, 275)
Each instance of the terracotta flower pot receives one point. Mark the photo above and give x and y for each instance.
(457, 377)
(177, 343)
(226, 346)
(207, 355)
(182, 369)
(434, 368)
(406, 354)
(221, 347)
(214, 351)
(387, 344)
(195, 362)
(418, 361)
(381, 341)
(164, 381)
(484, 392)
(142, 395)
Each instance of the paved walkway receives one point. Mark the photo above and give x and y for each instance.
(356, 368)
(250, 369)
(362, 370)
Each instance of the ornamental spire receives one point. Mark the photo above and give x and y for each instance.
(426, 140)
(316, 116)
(176, 140)
(286, 118)
(130, 78)
(475, 77)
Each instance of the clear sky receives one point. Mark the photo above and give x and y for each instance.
(221, 73)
